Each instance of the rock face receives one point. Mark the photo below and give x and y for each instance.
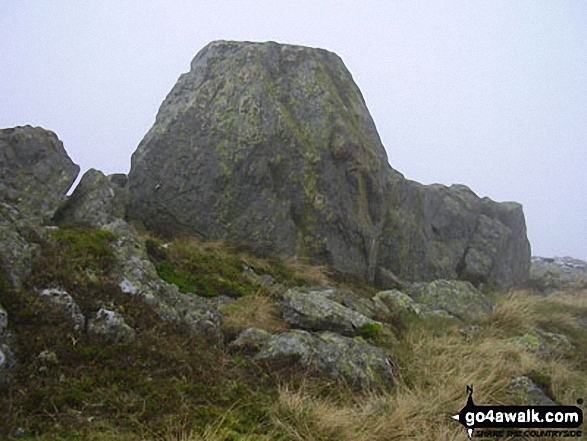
(96, 201)
(272, 147)
(36, 171)
(36, 174)
(548, 275)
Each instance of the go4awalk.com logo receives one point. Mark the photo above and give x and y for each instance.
(520, 421)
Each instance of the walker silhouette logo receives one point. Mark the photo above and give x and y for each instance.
(483, 420)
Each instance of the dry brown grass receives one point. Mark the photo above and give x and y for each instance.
(437, 370)
(256, 311)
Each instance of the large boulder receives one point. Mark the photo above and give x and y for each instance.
(96, 201)
(36, 174)
(36, 171)
(272, 147)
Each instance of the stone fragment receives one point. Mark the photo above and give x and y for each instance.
(96, 201)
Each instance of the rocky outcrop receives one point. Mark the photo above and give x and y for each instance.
(96, 201)
(272, 147)
(60, 300)
(548, 275)
(36, 171)
(361, 365)
(136, 275)
(314, 311)
(36, 174)
(460, 299)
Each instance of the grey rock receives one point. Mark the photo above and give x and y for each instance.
(48, 357)
(36, 171)
(350, 300)
(136, 275)
(548, 275)
(314, 311)
(16, 256)
(7, 362)
(111, 328)
(96, 201)
(393, 300)
(3, 320)
(283, 134)
(459, 298)
(62, 300)
(251, 340)
(531, 394)
(352, 360)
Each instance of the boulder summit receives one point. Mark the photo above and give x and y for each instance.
(272, 147)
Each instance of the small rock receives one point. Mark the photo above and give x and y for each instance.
(48, 357)
(111, 327)
(64, 302)
(532, 394)
(3, 319)
(316, 312)
(251, 340)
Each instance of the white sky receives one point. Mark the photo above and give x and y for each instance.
(491, 94)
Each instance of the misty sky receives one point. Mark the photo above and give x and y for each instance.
(491, 94)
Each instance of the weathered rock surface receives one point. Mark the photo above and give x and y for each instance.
(96, 201)
(36, 171)
(61, 300)
(352, 360)
(392, 301)
(272, 146)
(314, 311)
(137, 275)
(36, 174)
(459, 298)
(3, 320)
(111, 327)
(548, 275)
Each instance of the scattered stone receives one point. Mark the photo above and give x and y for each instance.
(393, 300)
(532, 395)
(251, 340)
(111, 328)
(96, 201)
(61, 299)
(314, 311)
(468, 331)
(548, 275)
(459, 298)
(361, 365)
(48, 357)
(531, 343)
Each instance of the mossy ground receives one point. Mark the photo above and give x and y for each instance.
(169, 386)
